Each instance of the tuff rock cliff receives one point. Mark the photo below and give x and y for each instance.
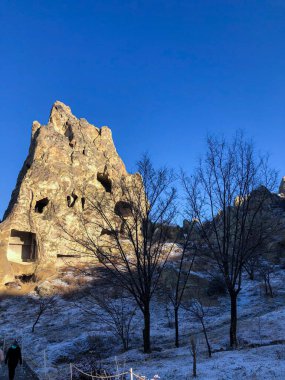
(67, 158)
(282, 188)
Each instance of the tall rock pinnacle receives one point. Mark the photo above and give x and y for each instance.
(67, 157)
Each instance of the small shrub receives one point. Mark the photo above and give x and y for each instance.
(216, 287)
(280, 354)
(62, 359)
(96, 344)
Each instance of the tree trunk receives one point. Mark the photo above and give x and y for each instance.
(125, 343)
(194, 365)
(176, 327)
(146, 330)
(207, 340)
(251, 275)
(36, 321)
(265, 285)
(233, 328)
(194, 355)
(269, 287)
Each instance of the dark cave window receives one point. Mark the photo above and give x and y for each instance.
(71, 200)
(105, 231)
(105, 182)
(123, 209)
(40, 205)
(23, 246)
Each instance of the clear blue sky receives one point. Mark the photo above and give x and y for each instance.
(161, 74)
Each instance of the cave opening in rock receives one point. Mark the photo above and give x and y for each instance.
(71, 200)
(123, 208)
(64, 255)
(40, 205)
(105, 182)
(26, 278)
(22, 247)
(105, 231)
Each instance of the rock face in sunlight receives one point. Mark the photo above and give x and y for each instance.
(68, 158)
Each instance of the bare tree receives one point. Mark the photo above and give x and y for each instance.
(198, 311)
(133, 245)
(117, 311)
(266, 270)
(168, 310)
(229, 195)
(252, 265)
(43, 304)
(176, 285)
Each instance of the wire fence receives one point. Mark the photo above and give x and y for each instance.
(74, 370)
(118, 376)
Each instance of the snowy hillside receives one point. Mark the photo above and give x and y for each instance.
(66, 334)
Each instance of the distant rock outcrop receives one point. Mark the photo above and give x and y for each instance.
(65, 156)
(282, 187)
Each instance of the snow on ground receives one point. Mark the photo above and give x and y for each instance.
(251, 364)
(69, 335)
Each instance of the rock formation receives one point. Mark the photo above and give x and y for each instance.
(67, 157)
(282, 187)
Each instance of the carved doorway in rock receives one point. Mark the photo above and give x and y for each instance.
(22, 247)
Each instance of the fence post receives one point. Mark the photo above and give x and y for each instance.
(45, 364)
(117, 367)
(131, 373)
(22, 351)
(71, 376)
